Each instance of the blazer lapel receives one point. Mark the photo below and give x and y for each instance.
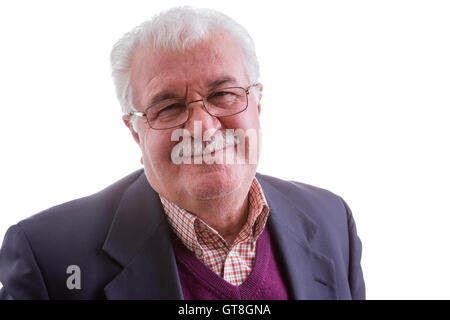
(139, 240)
(310, 274)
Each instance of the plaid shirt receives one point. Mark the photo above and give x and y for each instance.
(233, 263)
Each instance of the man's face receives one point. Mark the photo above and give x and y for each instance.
(191, 74)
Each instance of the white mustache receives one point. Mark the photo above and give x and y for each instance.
(218, 141)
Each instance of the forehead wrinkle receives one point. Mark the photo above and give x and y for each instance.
(164, 92)
(180, 64)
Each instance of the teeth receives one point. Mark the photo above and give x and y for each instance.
(216, 143)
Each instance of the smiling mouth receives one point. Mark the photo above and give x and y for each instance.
(206, 148)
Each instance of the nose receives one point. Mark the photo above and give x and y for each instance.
(198, 112)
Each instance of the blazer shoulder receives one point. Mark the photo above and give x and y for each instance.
(86, 218)
(327, 209)
(82, 208)
(304, 193)
(36, 251)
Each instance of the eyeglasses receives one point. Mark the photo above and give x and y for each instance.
(171, 113)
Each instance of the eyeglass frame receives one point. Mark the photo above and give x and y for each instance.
(188, 103)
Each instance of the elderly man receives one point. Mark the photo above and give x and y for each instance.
(197, 222)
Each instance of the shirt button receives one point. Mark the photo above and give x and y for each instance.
(198, 252)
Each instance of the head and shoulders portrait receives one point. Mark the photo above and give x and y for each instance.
(197, 221)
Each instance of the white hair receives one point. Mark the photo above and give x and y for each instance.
(175, 29)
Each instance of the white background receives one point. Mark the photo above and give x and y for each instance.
(356, 100)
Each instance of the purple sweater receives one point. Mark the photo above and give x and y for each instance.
(198, 282)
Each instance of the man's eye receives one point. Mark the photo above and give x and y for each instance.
(220, 94)
(171, 110)
(168, 108)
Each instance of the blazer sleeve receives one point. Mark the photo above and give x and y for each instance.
(355, 275)
(19, 270)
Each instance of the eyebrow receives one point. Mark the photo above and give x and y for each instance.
(165, 95)
(218, 82)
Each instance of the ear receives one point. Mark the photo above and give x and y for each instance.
(127, 120)
(260, 89)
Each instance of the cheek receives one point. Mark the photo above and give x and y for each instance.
(249, 120)
(156, 147)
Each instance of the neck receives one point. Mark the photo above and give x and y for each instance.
(227, 215)
(228, 221)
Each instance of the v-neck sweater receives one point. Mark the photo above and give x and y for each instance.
(198, 282)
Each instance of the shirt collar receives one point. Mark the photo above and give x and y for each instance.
(184, 223)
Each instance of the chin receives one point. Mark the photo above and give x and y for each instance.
(212, 184)
(204, 192)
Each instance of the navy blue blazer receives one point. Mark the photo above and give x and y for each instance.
(120, 239)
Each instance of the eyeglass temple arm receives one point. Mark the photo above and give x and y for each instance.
(251, 86)
(136, 113)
